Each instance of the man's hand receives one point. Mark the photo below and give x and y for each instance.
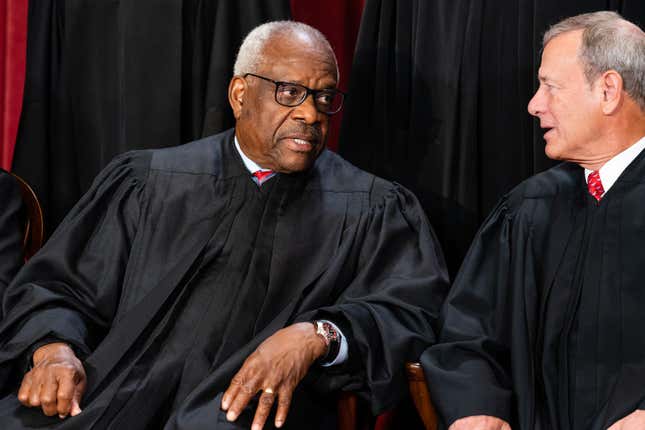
(56, 383)
(275, 368)
(633, 421)
(480, 422)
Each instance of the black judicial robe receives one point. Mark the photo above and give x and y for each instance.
(543, 326)
(11, 229)
(174, 266)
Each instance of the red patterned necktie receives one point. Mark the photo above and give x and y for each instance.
(595, 186)
(262, 175)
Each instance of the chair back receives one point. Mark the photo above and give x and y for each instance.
(33, 222)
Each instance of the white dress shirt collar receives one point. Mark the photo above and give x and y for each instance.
(612, 169)
(250, 165)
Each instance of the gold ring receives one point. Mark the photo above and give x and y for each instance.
(268, 390)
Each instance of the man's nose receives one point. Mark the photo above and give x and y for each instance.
(307, 111)
(536, 104)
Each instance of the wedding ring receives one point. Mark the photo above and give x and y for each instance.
(268, 390)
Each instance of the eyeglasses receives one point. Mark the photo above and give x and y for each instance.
(328, 101)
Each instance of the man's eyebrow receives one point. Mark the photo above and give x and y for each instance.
(544, 78)
(303, 83)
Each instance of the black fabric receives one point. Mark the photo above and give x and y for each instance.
(438, 98)
(175, 266)
(11, 229)
(543, 325)
(106, 77)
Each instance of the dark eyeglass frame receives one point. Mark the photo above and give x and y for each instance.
(278, 84)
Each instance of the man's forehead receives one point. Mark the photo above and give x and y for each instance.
(297, 57)
(563, 45)
(294, 61)
(296, 47)
(560, 52)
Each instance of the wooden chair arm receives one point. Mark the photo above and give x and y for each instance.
(34, 224)
(421, 396)
(347, 411)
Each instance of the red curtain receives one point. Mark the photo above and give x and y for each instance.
(13, 48)
(339, 21)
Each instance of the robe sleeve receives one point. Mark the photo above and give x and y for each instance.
(390, 308)
(70, 289)
(11, 230)
(467, 369)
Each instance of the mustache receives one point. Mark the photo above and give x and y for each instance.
(307, 132)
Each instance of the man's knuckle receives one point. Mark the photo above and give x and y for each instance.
(65, 396)
(47, 399)
(71, 373)
(238, 380)
(68, 366)
(267, 400)
(284, 401)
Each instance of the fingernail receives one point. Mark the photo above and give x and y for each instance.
(230, 416)
(62, 417)
(225, 404)
(278, 424)
(255, 427)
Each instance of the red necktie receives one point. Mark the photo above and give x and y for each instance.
(595, 186)
(262, 175)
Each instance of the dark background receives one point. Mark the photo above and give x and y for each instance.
(438, 90)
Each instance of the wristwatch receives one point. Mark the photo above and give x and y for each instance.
(330, 335)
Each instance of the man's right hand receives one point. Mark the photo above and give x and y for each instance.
(56, 382)
(480, 422)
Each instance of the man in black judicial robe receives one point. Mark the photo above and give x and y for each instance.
(11, 229)
(543, 328)
(178, 287)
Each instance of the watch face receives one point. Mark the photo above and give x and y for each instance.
(330, 333)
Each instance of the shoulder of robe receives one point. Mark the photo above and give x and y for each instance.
(201, 156)
(333, 173)
(133, 164)
(557, 180)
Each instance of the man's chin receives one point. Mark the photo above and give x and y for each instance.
(297, 164)
(553, 151)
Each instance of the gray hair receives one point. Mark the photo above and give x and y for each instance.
(609, 42)
(251, 52)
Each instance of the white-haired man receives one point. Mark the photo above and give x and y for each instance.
(195, 287)
(543, 328)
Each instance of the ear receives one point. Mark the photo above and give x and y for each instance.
(236, 90)
(611, 85)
